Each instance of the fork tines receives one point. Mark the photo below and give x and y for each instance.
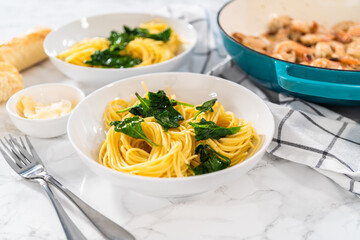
(16, 153)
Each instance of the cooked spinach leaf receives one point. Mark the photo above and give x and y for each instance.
(208, 129)
(168, 118)
(108, 59)
(132, 127)
(120, 40)
(142, 109)
(159, 106)
(159, 101)
(163, 36)
(211, 161)
(175, 102)
(145, 33)
(206, 106)
(163, 110)
(112, 58)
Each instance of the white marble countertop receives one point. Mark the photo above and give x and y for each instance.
(276, 200)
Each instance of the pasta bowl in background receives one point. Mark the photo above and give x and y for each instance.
(86, 128)
(101, 26)
(46, 94)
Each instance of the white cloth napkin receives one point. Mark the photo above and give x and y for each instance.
(306, 133)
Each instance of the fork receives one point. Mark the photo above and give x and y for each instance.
(24, 168)
(26, 162)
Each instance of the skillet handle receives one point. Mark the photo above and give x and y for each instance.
(316, 87)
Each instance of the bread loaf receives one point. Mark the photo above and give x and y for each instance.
(10, 81)
(24, 51)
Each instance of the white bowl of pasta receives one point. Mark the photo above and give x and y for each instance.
(161, 162)
(101, 49)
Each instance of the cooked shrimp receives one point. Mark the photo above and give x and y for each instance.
(339, 48)
(281, 35)
(326, 63)
(291, 56)
(353, 48)
(330, 49)
(343, 37)
(279, 23)
(348, 60)
(346, 37)
(343, 26)
(257, 43)
(239, 36)
(308, 58)
(324, 30)
(300, 26)
(313, 38)
(315, 27)
(270, 47)
(341, 31)
(295, 36)
(354, 31)
(309, 43)
(287, 47)
(323, 50)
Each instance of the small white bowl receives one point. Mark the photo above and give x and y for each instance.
(101, 26)
(44, 93)
(86, 128)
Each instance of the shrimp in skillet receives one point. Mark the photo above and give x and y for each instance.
(309, 43)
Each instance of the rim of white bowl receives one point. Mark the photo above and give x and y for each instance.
(12, 99)
(188, 25)
(179, 179)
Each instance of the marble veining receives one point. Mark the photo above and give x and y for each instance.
(275, 200)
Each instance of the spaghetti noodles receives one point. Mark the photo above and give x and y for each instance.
(81, 51)
(175, 157)
(149, 51)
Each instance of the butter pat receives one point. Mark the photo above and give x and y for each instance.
(30, 109)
